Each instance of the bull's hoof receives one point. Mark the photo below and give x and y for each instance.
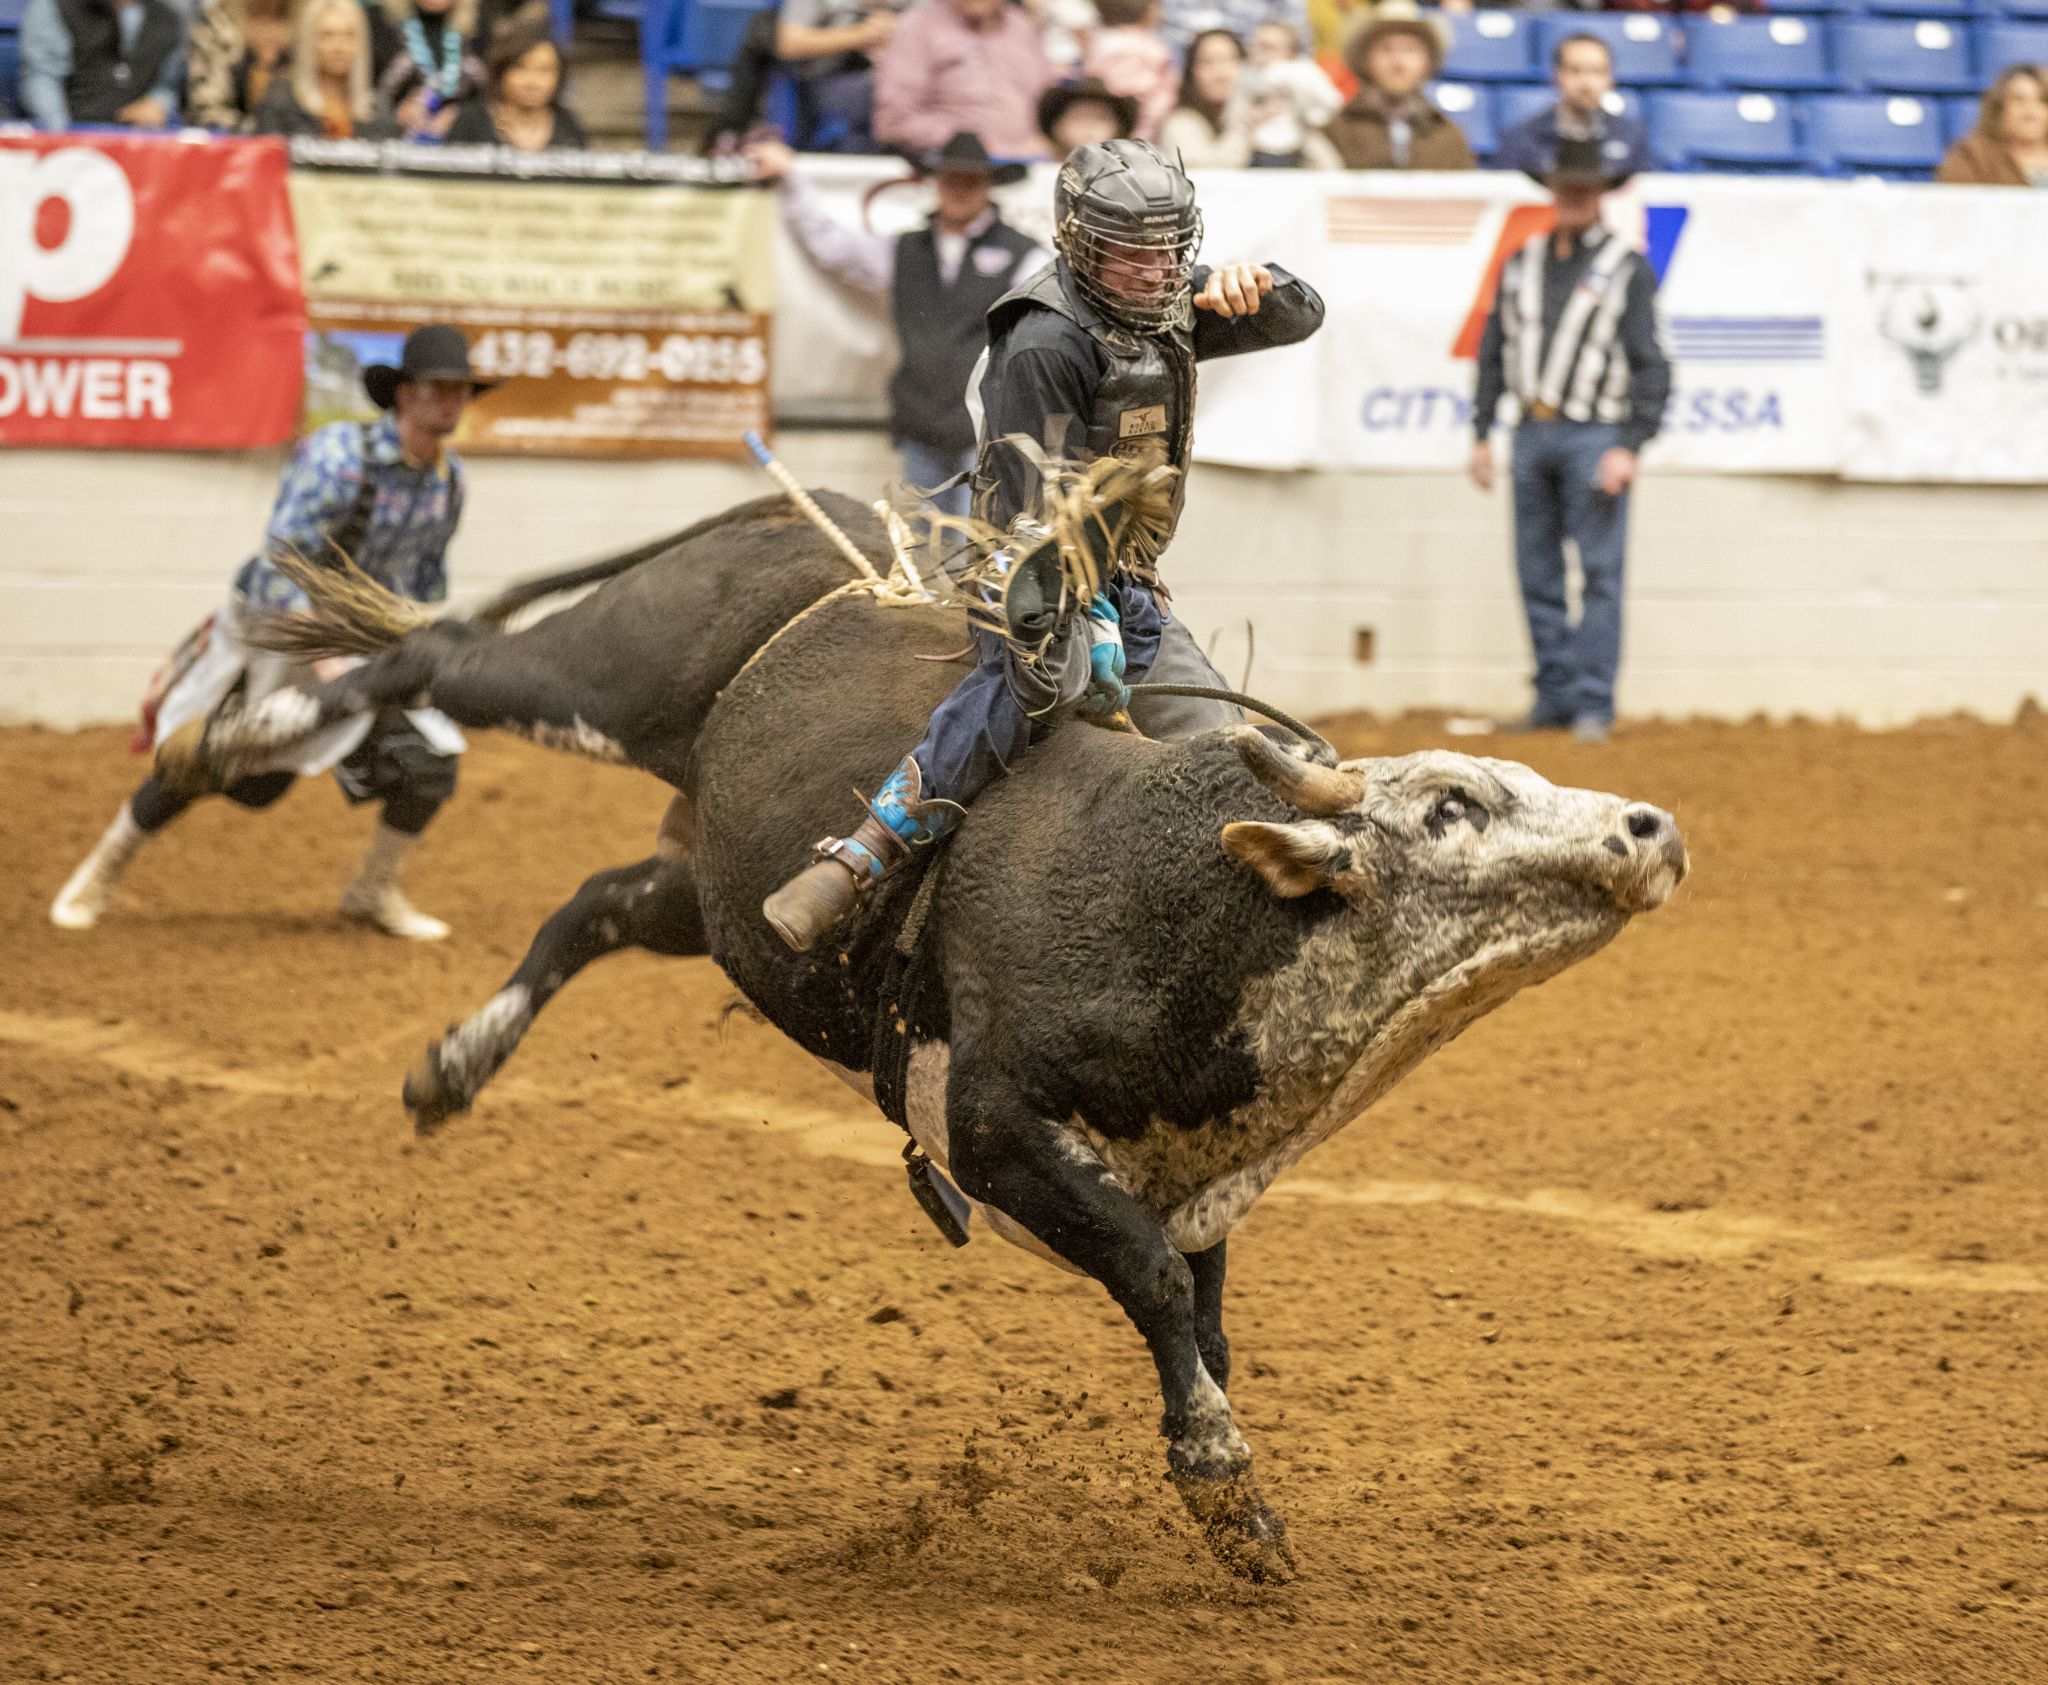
(429, 1096)
(1240, 1530)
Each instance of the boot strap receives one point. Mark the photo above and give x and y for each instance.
(865, 865)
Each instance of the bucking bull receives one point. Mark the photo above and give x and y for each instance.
(1144, 977)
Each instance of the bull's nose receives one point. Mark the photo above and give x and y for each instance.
(1653, 828)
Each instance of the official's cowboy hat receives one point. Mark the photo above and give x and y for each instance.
(434, 352)
(1062, 97)
(964, 155)
(1394, 17)
(1579, 163)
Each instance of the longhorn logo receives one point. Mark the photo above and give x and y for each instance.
(1929, 319)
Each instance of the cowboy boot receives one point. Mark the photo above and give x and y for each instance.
(824, 892)
(375, 898)
(88, 890)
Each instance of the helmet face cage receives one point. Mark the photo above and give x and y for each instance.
(1129, 238)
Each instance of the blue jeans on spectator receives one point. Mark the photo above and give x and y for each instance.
(1556, 499)
(925, 467)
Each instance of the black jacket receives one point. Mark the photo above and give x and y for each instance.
(103, 78)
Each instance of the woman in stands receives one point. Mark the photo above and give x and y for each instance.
(2009, 146)
(238, 48)
(522, 104)
(1199, 131)
(327, 95)
(436, 68)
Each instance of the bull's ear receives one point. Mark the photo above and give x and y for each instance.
(1293, 859)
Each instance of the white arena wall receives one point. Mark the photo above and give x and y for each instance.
(1881, 603)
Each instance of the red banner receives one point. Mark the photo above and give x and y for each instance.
(149, 293)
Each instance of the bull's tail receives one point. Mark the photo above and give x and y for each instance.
(526, 592)
(351, 613)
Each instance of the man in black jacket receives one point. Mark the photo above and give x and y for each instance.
(101, 61)
(1094, 357)
(941, 280)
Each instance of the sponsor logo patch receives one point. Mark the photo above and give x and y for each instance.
(1133, 424)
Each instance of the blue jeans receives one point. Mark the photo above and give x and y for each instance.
(979, 731)
(1556, 499)
(925, 467)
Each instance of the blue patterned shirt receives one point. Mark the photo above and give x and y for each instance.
(411, 522)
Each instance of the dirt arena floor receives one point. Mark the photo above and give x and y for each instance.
(1683, 1321)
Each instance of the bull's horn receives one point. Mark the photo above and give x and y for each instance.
(1312, 788)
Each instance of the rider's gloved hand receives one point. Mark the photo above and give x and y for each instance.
(1107, 693)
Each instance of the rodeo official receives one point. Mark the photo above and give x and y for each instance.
(1093, 357)
(388, 495)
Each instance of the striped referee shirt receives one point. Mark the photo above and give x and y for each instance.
(1575, 338)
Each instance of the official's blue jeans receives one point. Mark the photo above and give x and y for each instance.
(1556, 499)
(924, 467)
(979, 731)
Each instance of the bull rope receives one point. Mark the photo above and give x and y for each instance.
(902, 587)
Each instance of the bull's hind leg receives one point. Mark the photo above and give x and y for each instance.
(1032, 1170)
(652, 905)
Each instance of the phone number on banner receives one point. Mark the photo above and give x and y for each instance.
(708, 359)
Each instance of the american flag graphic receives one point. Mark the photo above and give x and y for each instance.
(1357, 221)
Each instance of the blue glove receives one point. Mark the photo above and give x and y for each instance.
(1107, 693)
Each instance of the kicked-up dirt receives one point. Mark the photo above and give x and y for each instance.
(1683, 1321)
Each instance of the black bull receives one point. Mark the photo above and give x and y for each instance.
(1084, 953)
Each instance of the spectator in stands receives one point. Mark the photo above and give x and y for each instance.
(941, 281)
(1183, 20)
(1065, 27)
(2009, 145)
(436, 69)
(327, 94)
(236, 48)
(1391, 123)
(829, 47)
(1201, 132)
(1127, 56)
(1084, 113)
(1286, 100)
(101, 61)
(953, 65)
(1582, 70)
(522, 104)
(1578, 307)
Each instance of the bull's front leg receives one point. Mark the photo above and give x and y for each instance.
(1033, 1170)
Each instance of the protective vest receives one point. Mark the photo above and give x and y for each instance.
(1144, 404)
(941, 330)
(103, 78)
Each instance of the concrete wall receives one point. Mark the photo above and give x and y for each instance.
(1778, 595)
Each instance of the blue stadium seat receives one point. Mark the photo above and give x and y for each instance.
(1879, 134)
(10, 15)
(2001, 42)
(1903, 56)
(1518, 102)
(1470, 106)
(1921, 8)
(1758, 53)
(1643, 45)
(1489, 46)
(2034, 11)
(1814, 6)
(1695, 130)
(1958, 116)
(699, 37)
(10, 69)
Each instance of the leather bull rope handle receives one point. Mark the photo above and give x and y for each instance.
(1320, 747)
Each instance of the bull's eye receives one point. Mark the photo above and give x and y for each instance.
(1453, 806)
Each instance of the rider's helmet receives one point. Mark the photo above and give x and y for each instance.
(1125, 221)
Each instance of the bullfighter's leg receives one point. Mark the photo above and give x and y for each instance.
(651, 905)
(1037, 1173)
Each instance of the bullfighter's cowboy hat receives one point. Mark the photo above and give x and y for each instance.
(1062, 97)
(434, 352)
(1579, 162)
(964, 155)
(1395, 17)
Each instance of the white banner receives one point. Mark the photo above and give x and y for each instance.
(1815, 327)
